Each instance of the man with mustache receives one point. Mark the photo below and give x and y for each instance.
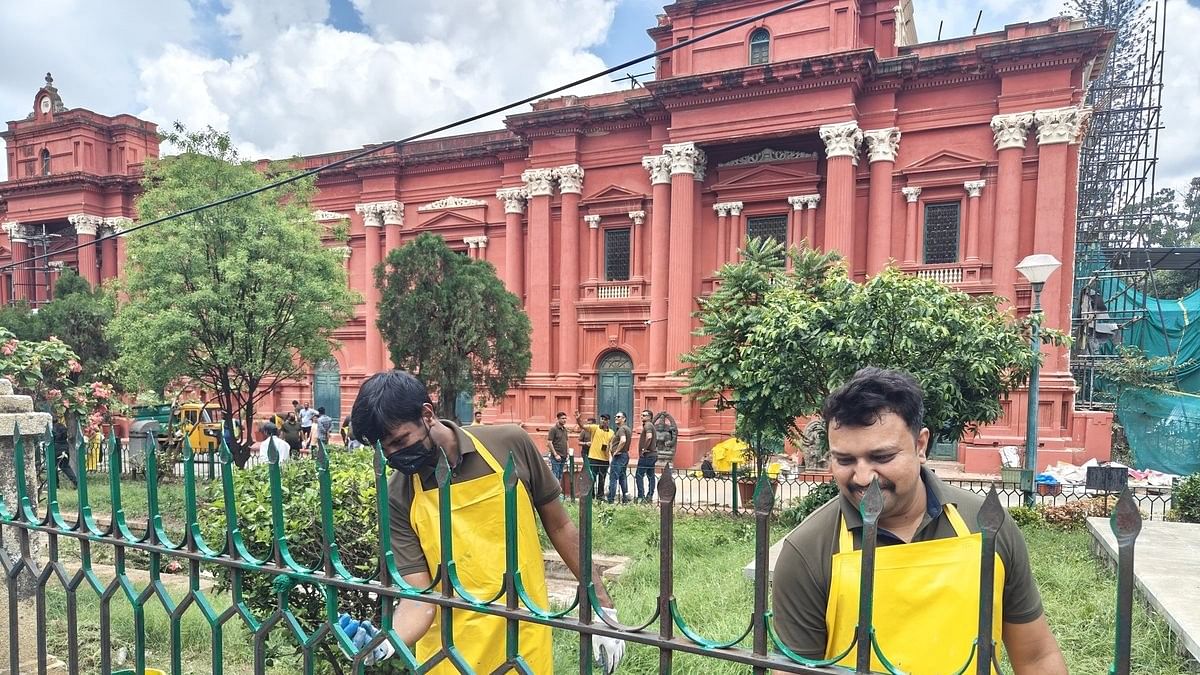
(926, 603)
(393, 408)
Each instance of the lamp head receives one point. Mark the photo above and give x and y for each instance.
(1038, 267)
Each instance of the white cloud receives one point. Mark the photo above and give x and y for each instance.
(298, 85)
(1180, 98)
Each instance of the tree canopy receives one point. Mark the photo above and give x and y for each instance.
(778, 341)
(237, 297)
(449, 320)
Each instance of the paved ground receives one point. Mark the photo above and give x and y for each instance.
(1166, 572)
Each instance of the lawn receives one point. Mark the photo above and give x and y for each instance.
(713, 595)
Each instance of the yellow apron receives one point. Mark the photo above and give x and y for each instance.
(477, 519)
(926, 605)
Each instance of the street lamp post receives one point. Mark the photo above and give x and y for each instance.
(1036, 268)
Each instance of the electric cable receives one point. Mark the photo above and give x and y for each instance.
(396, 144)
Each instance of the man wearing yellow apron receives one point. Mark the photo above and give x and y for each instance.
(926, 603)
(394, 408)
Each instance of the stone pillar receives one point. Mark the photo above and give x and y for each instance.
(974, 188)
(593, 252)
(638, 251)
(570, 183)
(686, 160)
(471, 252)
(345, 252)
(482, 241)
(22, 272)
(911, 236)
(17, 412)
(723, 237)
(85, 238)
(540, 183)
(393, 220)
(795, 221)
(882, 145)
(119, 227)
(1056, 129)
(108, 254)
(514, 245)
(810, 218)
(841, 148)
(1010, 132)
(659, 167)
(372, 215)
(737, 231)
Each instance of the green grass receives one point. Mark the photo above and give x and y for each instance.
(133, 497)
(713, 595)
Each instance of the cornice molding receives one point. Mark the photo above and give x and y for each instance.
(451, 202)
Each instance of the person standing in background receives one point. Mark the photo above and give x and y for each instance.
(618, 469)
(597, 453)
(647, 456)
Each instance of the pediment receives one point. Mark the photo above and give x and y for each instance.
(945, 159)
(613, 193)
(450, 219)
(739, 177)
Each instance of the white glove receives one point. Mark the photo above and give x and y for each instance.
(608, 651)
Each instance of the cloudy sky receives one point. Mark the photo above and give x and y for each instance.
(307, 76)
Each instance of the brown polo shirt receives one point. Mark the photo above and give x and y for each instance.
(501, 440)
(802, 573)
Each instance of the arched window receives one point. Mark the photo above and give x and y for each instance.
(45, 162)
(760, 46)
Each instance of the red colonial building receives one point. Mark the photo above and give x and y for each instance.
(609, 214)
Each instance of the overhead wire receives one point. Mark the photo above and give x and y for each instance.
(397, 144)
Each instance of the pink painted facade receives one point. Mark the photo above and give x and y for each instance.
(609, 214)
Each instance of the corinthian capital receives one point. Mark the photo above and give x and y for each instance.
(513, 198)
(659, 167)
(882, 144)
(974, 188)
(392, 212)
(570, 178)
(1060, 125)
(801, 201)
(638, 217)
(85, 224)
(593, 221)
(841, 140)
(911, 194)
(16, 231)
(371, 212)
(1011, 130)
(539, 182)
(118, 224)
(686, 158)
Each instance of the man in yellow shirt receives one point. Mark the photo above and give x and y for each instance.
(598, 452)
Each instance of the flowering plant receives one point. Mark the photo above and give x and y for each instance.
(49, 371)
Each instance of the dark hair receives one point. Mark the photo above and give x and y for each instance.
(321, 410)
(385, 400)
(872, 392)
(270, 429)
(605, 417)
(560, 414)
(647, 411)
(294, 402)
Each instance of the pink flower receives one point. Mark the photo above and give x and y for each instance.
(9, 348)
(74, 366)
(53, 394)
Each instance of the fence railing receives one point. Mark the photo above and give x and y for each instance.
(31, 571)
(695, 493)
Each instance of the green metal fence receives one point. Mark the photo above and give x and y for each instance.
(667, 630)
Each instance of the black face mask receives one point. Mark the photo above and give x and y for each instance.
(411, 459)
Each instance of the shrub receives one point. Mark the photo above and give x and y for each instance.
(1185, 500)
(355, 517)
(799, 509)
(1026, 516)
(1073, 515)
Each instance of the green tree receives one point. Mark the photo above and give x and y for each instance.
(778, 341)
(448, 319)
(79, 315)
(20, 320)
(237, 297)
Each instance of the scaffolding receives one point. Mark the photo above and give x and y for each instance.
(1116, 209)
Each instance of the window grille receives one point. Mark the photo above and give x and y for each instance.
(774, 227)
(616, 254)
(941, 232)
(760, 47)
